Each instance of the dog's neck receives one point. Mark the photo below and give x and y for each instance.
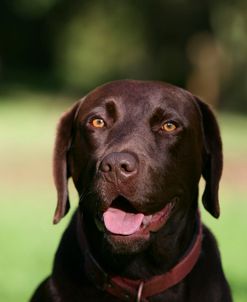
(162, 253)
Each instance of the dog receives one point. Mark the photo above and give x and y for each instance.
(136, 151)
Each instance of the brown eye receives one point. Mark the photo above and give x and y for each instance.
(169, 126)
(97, 123)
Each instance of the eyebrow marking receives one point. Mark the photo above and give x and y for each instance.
(160, 114)
(111, 109)
(157, 116)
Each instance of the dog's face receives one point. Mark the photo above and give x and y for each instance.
(136, 151)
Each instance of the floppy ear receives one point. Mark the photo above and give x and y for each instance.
(212, 159)
(60, 166)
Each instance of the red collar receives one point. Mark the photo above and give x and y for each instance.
(139, 290)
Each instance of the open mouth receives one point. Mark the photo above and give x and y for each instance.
(122, 219)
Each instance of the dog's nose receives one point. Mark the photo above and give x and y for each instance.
(120, 164)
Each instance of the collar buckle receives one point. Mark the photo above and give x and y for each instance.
(139, 292)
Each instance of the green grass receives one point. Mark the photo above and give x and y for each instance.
(229, 231)
(27, 237)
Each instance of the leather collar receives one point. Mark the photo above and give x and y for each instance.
(139, 290)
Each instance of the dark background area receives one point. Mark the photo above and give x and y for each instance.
(71, 46)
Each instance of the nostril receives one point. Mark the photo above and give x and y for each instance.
(124, 167)
(127, 167)
(105, 167)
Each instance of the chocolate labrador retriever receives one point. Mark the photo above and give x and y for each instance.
(136, 151)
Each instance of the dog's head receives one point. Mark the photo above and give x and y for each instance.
(136, 151)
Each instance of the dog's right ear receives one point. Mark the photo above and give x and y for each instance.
(212, 159)
(60, 164)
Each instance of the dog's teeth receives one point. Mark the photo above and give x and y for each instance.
(146, 220)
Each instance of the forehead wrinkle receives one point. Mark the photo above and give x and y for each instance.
(97, 106)
(168, 102)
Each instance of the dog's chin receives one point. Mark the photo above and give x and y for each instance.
(127, 244)
(129, 232)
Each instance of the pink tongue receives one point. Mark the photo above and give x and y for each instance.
(122, 223)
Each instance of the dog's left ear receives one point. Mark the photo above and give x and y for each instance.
(212, 159)
(60, 165)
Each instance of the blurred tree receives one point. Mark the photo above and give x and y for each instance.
(97, 44)
(24, 46)
(128, 39)
(229, 20)
(83, 43)
(78, 44)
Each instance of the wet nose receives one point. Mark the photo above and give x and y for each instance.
(122, 165)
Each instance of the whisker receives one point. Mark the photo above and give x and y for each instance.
(85, 195)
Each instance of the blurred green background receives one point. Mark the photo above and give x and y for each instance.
(54, 51)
